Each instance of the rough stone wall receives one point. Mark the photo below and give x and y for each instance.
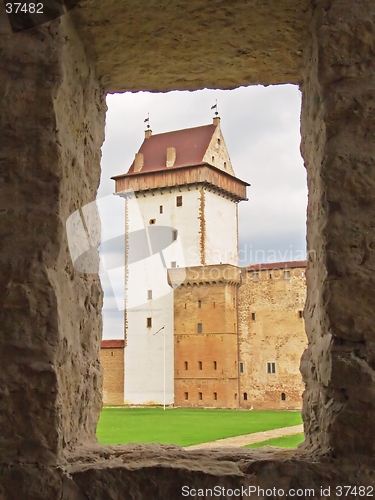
(188, 44)
(337, 127)
(52, 119)
(217, 343)
(112, 361)
(276, 335)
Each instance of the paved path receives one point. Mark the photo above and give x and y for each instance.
(256, 437)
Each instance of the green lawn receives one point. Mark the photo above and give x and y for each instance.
(185, 427)
(283, 442)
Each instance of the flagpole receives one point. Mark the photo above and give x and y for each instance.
(164, 367)
(163, 328)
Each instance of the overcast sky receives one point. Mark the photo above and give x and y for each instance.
(261, 130)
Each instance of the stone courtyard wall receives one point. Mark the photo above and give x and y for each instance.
(272, 330)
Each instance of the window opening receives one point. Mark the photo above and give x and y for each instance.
(271, 367)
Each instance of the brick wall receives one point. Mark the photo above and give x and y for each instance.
(112, 360)
(206, 363)
(272, 338)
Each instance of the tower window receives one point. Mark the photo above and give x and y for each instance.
(215, 396)
(186, 365)
(271, 367)
(235, 395)
(253, 316)
(200, 328)
(283, 396)
(199, 304)
(225, 164)
(240, 367)
(200, 396)
(149, 322)
(214, 305)
(152, 222)
(186, 395)
(111, 353)
(215, 365)
(218, 142)
(149, 294)
(213, 159)
(200, 365)
(178, 201)
(255, 276)
(286, 274)
(245, 396)
(161, 209)
(300, 314)
(174, 234)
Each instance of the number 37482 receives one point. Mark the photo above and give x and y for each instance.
(24, 8)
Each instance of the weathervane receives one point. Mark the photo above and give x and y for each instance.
(215, 107)
(147, 120)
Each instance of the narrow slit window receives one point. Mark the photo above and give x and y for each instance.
(271, 367)
(186, 365)
(215, 396)
(253, 316)
(200, 328)
(152, 222)
(199, 304)
(283, 396)
(255, 276)
(286, 274)
(215, 365)
(149, 322)
(240, 367)
(245, 396)
(149, 294)
(300, 314)
(200, 365)
(161, 209)
(186, 395)
(174, 234)
(200, 396)
(178, 201)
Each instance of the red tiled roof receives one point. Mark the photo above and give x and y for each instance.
(190, 145)
(277, 265)
(112, 344)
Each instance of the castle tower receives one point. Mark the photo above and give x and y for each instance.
(181, 274)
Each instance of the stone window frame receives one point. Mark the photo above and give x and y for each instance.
(326, 75)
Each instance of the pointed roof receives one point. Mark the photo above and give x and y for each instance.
(190, 144)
